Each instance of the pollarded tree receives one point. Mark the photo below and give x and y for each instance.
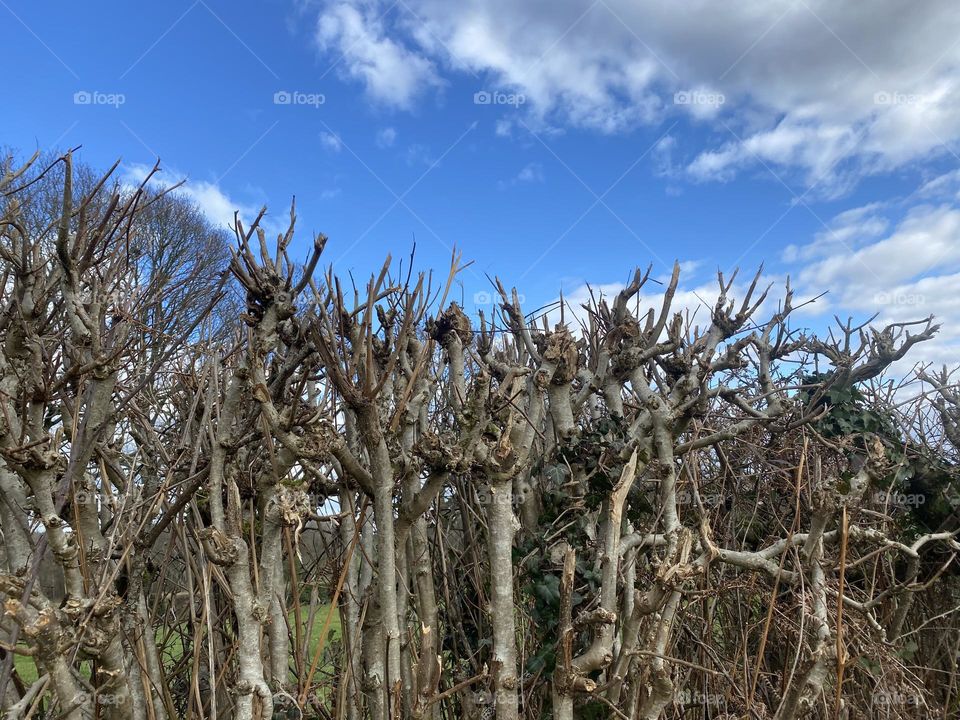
(95, 319)
(632, 515)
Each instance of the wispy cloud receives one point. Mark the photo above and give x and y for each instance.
(529, 174)
(331, 142)
(386, 137)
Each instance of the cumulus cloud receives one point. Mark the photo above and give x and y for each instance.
(898, 261)
(917, 252)
(923, 241)
(212, 200)
(819, 91)
(693, 300)
(830, 90)
(357, 36)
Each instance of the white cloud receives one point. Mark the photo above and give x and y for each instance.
(688, 268)
(214, 203)
(418, 154)
(533, 172)
(209, 197)
(945, 187)
(331, 142)
(848, 229)
(826, 91)
(390, 72)
(926, 240)
(902, 268)
(386, 137)
(530, 173)
(898, 260)
(693, 300)
(831, 90)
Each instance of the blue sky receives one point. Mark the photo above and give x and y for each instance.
(817, 137)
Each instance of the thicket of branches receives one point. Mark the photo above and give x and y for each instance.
(266, 492)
